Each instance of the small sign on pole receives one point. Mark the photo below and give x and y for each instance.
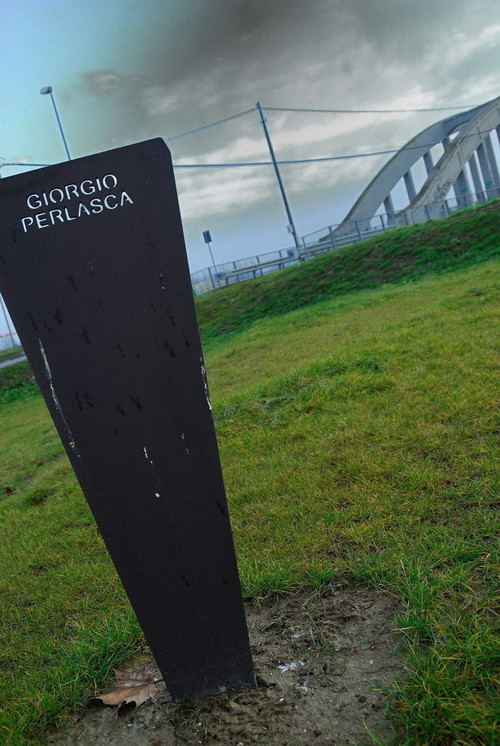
(208, 240)
(94, 272)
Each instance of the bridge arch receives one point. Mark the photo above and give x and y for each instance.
(468, 166)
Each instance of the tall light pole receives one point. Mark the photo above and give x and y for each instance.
(6, 317)
(291, 224)
(48, 91)
(2, 304)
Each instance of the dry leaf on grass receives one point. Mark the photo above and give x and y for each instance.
(132, 686)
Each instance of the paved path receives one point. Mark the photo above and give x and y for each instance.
(13, 361)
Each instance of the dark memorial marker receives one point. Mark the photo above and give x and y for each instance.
(94, 272)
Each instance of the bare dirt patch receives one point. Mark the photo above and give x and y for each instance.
(324, 664)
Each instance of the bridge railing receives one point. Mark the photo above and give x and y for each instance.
(328, 239)
(342, 234)
(240, 270)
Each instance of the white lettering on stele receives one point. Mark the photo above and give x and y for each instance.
(72, 201)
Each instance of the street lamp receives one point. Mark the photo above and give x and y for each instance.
(48, 91)
(6, 317)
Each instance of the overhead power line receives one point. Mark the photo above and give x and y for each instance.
(316, 160)
(291, 162)
(30, 165)
(283, 162)
(211, 124)
(313, 111)
(368, 111)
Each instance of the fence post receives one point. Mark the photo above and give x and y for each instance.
(211, 277)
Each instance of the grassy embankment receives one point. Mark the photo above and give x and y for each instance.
(357, 436)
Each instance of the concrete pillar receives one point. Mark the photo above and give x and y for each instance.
(429, 165)
(485, 171)
(461, 189)
(476, 178)
(446, 143)
(410, 186)
(389, 209)
(492, 161)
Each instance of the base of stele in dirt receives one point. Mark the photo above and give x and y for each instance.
(324, 664)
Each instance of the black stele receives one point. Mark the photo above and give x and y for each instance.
(94, 272)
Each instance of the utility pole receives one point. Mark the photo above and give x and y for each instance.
(278, 176)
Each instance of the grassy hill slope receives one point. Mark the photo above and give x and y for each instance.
(467, 237)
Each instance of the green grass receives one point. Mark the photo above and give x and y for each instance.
(357, 437)
(16, 382)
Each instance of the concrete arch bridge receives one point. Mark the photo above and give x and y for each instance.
(458, 157)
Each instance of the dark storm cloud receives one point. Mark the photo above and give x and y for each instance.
(218, 57)
(227, 42)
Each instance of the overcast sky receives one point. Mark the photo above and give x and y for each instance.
(128, 70)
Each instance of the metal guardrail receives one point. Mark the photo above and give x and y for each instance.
(240, 270)
(329, 239)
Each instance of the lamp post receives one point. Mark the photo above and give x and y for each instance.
(6, 317)
(47, 90)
